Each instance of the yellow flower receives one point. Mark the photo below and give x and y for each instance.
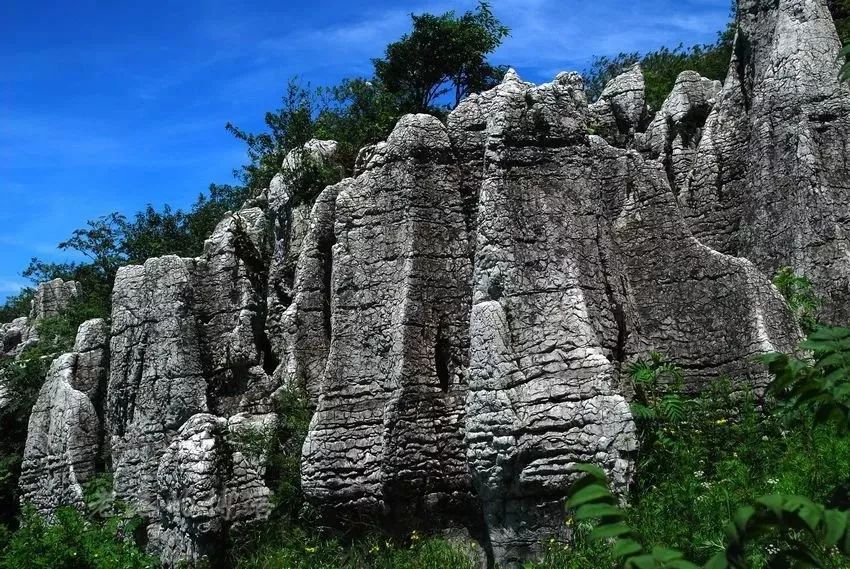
(310, 549)
(721, 421)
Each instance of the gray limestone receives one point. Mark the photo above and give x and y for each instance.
(64, 432)
(461, 311)
(771, 176)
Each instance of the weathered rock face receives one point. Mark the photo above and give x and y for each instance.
(771, 178)
(187, 339)
(582, 261)
(206, 488)
(621, 109)
(460, 311)
(676, 130)
(53, 297)
(64, 433)
(291, 222)
(306, 324)
(386, 440)
(16, 336)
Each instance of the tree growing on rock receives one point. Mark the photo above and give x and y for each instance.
(443, 54)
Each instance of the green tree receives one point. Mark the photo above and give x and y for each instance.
(290, 126)
(442, 54)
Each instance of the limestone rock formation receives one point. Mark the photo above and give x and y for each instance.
(582, 261)
(206, 488)
(676, 130)
(187, 339)
(771, 177)
(64, 432)
(291, 217)
(386, 440)
(16, 336)
(53, 297)
(621, 109)
(462, 309)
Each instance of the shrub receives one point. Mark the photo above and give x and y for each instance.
(71, 541)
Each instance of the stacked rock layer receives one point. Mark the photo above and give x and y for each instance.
(461, 311)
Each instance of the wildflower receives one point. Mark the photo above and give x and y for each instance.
(721, 421)
(772, 481)
(310, 549)
(764, 438)
(415, 536)
(699, 473)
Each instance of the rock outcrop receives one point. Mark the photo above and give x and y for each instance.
(460, 311)
(771, 176)
(621, 109)
(188, 351)
(64, 434)
(51, 299)
(676, 130)
(386, 440)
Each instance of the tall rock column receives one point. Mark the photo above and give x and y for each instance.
(64, 434)
(771, 177)
(386, 440)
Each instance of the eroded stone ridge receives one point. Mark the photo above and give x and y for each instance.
(52, 298)
(461, 311)
(386, 440)
(582, 262)
(64, 433)
(188, 341)
(771, 177)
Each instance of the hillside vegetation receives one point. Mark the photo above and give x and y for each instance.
(704, 459)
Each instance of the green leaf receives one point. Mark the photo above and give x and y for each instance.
(718, 561)
(626, 547)
(610, 530)
(835, 523)
(590, 494)
(594, 511)
(594, 471)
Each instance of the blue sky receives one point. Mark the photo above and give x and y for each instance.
(108, 106)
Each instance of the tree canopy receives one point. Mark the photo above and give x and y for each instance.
(442, 54)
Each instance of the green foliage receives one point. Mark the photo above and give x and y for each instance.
(71, 541)
(819, 384)
(592, 500)
(289, 127)
(840, 10)
(844, 74)
(827, 530)
(769, 472)
(302, 548)
(442, 54)
(800, 296)
(657, 405)
(17, 305)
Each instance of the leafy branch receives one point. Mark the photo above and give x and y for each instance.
(592, 500)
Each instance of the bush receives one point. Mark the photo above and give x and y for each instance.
(71, 541)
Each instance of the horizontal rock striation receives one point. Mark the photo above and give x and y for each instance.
(461, 311)
(386, 439)
(771, 177)
(187, 340)
(64, 433)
